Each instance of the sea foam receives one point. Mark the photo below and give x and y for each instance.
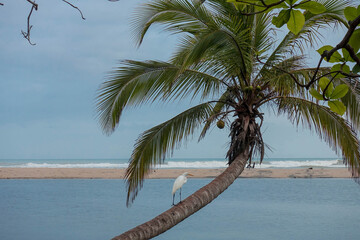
(171, 164)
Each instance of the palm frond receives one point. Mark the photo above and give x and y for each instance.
(136, 83)
(155, 144)
(262, 39)
(330, 127)
(351, 101)
(177, 16)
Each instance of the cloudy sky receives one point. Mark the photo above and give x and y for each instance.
(47, 91)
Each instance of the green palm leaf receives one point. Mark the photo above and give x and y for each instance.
(331, 127)
(351, 101)
(137, 83)
(155, 144)
(177, 16)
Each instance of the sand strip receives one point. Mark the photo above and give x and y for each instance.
(101, 173)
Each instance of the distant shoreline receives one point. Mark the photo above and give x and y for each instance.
(106, 173)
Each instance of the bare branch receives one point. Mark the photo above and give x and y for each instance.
(352, 53)
(82, 16)
(314, 79)
(327, 86)
(27, 33)
(34, 4)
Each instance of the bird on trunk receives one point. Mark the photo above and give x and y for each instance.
(179, 182)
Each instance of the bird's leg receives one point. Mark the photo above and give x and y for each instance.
(180, 194)
(173, 199)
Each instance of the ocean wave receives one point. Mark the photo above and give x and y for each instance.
(302, 164)
(186, 164)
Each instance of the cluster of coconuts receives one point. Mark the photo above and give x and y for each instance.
(251, 88)
(221, 124)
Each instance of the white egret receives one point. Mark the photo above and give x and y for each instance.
(179, 182)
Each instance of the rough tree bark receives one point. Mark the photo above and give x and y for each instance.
(190, 205)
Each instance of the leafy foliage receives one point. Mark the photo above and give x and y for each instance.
(224, 60)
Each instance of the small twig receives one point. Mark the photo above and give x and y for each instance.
(82, 16)
(27, 34)
(314, 79)
(1, 4)
(327, 86)
(284, 71)
(352, 53)
(266, 6)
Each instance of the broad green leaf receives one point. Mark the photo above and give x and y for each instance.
(291, 2)
(296, 21)
(350, 13)
(337, 107)
(336, 57)
(340, 67)
(340, 91)
(313, 7)
(323, 83)
(282, 18)
(324, 48)
(356, 69)
(346, 55)
(355, 40)
(316, 94)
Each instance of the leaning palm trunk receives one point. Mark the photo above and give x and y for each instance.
(190, 205)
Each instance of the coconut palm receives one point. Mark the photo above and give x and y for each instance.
(233, 65)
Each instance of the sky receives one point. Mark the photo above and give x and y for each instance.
(47, 91)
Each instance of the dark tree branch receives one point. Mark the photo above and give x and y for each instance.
(33, 3)
(266, 7)
(82, 16)
(27, 33)
(327, 86)
(352, 53)
(345, 41)
(35, 6)
(314, 79)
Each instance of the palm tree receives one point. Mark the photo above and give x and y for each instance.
(232, 64)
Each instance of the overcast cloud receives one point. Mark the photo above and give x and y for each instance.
(47, 91)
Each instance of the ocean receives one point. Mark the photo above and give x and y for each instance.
(171, 163)
(250, 209)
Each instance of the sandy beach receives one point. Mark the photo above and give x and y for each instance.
(101, 173)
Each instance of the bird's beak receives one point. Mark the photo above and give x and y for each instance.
(189, 174)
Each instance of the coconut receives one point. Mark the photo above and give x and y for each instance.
(220, 124)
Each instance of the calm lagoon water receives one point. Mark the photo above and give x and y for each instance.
(252, 209)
